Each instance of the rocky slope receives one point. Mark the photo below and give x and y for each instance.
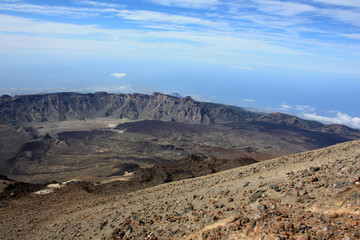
(285, 119)
(309, 195)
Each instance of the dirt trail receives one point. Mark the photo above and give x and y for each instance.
(310, 195)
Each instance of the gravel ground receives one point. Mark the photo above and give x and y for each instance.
(310, 195)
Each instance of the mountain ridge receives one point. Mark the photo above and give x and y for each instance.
(70, 106)
(158, 106)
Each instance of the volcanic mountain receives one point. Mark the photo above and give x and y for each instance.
(60, 136)
(75, 106)
(158, 106)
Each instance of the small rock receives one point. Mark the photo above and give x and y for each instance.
(275, 188)
(103, 224)
(314, 169)
(314, 179)
(256, 195)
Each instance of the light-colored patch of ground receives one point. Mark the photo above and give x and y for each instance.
(77, 125)
(51, 187)
(118, 178)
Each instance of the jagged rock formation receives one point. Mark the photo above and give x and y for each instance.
(70, 106)
(158, 106)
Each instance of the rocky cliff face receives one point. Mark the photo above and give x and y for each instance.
(71, 106)
(158, 106)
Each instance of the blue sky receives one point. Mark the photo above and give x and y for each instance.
(299, 57)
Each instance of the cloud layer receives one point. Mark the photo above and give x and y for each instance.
(288, 33)
(309, 113)
(339, 118)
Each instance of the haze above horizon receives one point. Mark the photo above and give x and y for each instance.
(298, 57)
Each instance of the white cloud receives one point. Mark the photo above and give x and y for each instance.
(305, 108)
(248, 100)
(118, 75)
(285, 107)
(188, 3)
(340, 118)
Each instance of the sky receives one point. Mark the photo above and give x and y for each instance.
(298, 57)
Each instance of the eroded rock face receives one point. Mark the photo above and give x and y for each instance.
(76, 106)
(158, 106)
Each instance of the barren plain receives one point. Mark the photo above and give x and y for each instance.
(94, 149)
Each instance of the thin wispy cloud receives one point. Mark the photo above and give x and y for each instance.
(344, 3)
(188, 3)
(160, 17)
(244, 68)
(112, 89)
(283, 8)
(305, 108)
(45, 9)
(212, 39)
(274, 13)
(351, 36)
(101, 4)
(179, 41)
(248, 100)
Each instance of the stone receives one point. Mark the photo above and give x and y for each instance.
(314, 179)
